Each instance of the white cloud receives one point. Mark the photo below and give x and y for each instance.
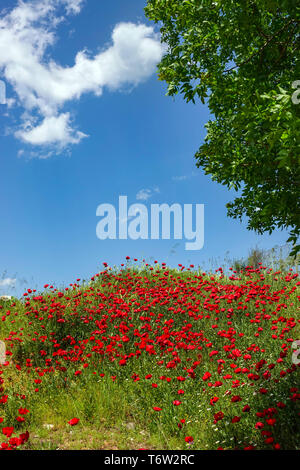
(53, 130)
(179, 178)
(43, 86)
(185, 177)
(7, 282)
(10, 102)
(145, 194)
(73, 6)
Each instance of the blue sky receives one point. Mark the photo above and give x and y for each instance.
(76, 136)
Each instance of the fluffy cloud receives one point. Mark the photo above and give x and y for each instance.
(145, 194)
(53, 130)
(44, 87)
(73, 6)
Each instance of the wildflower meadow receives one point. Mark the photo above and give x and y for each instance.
(152, 357)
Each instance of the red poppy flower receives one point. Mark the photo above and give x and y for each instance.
(73, 421)
(236, 419)
(7, 431)
(177, 402)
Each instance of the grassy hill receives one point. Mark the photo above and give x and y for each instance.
(149, 357)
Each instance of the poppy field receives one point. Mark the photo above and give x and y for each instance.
(151, 357)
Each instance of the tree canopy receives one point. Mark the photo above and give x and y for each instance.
(242, 58)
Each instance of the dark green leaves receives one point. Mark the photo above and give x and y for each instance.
(242, 57)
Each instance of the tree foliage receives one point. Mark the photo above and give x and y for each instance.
(242, 57)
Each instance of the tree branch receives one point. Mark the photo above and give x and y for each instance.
(246, 61)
